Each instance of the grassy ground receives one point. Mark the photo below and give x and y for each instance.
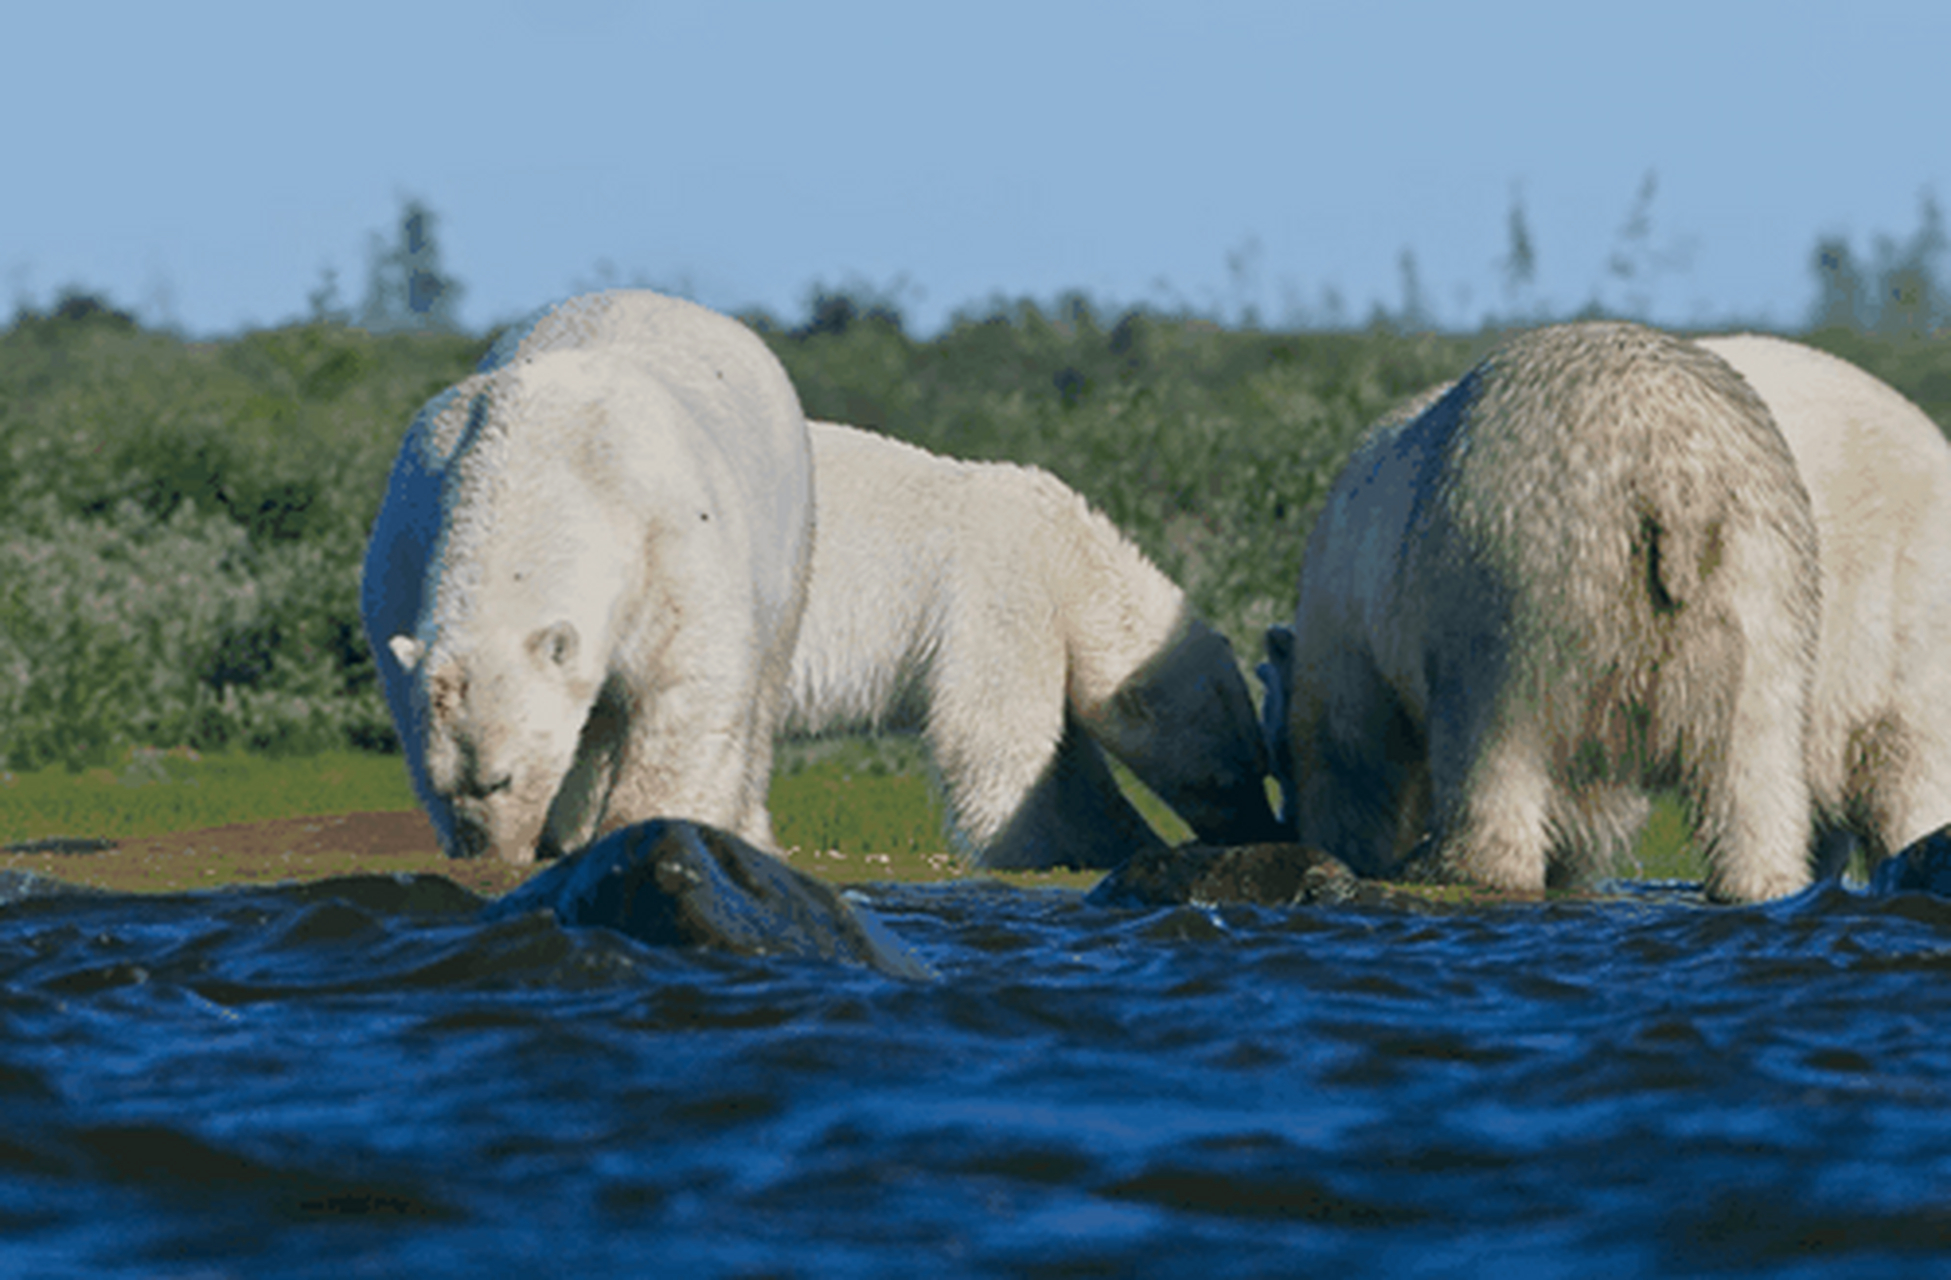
(149, 793)
(848, 811)
(182, 524)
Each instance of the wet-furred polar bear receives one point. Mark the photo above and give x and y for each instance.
(1878, 473)
(586, 578)
(1019, 629)
(1584, 570)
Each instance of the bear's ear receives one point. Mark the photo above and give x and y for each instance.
(555, 643)
(406, 651)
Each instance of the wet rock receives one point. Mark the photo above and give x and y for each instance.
(1922, 865)
(60, 844)
(398, 893)
(672, 883)
(1268, 875)
(19, 886)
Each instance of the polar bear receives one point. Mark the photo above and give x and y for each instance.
(990, 606)
(1878, 472)
(585, 581)
(1276, 669)
(1586, 569)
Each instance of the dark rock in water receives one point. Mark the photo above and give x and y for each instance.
(1268, 875)
(672, 883)
(399, 893)
(60, 844)
(1923, 865)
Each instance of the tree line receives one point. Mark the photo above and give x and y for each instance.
(182, 523)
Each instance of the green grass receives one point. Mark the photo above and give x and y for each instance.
(844, 809)
(859, 809)
(864, 808)
(1666, 850)
(847, 810)
(149, 792)
(852, 795)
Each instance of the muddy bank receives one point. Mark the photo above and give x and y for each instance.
(265, 853)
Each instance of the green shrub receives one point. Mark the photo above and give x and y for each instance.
(180, 532)
(181, 523)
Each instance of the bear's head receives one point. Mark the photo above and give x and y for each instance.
(1186, 725)
(501, 723)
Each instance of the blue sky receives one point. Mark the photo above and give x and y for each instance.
(203, 162)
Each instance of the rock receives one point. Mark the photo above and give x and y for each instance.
(1267, 875)
(59, 844)
(1922, 865)
(19, 886)
(672, 883)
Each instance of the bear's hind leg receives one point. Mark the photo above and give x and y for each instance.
(1594, 829)
(1750, 796)
(1910, 796)
(1492, 808)
(1358, 761)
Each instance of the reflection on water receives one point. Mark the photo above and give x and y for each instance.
(357, 1078)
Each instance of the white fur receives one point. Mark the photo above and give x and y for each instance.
(1878, 473)
(990, 606)
(586, 578)
(1585, 570)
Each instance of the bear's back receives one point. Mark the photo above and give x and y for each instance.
(614, 413)
(1585, 447)
(884, 542)
(717, 369)
(1862, 447)
(1878, 471)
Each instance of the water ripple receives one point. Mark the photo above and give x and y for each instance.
(1641, 1086)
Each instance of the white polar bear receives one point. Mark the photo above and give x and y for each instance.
(586, 578)
(1878, 472)
(1586, 569)
(992, 607)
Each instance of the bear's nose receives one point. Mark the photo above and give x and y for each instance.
(471, 838)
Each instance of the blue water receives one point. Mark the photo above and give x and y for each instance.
(357, 1079)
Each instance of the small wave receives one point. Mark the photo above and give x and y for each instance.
(1634, 1085)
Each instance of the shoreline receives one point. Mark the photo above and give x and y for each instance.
(402, 842)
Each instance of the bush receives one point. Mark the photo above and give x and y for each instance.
(181, 524)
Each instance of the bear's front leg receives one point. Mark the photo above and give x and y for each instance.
(693, 728)
(1074, 815)
(1026, 787)
(687, 752)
